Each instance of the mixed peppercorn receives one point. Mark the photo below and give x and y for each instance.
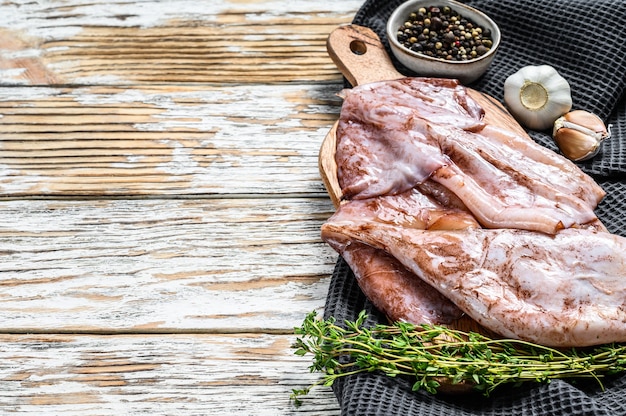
(441, 32)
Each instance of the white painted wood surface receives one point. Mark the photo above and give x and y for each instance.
(162, 265)
(189, 140)
(184, 374)
(160, 204)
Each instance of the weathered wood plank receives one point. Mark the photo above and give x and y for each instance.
(160, 203)
(121, 42)
(162, 265)
(243, 374)
(164, 140)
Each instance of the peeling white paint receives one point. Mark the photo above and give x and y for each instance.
(241, 139)
(122, 265)
(97, 79)
(131, 162)
(125, 263)
(13, 74)
(254, 38)
(20, 54)
(261, 102)
(13, 181)
(46, 21)
(181, 159)
(172, 374)
(28, 95)
(87, 97)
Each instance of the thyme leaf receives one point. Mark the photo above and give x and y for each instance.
(433, 355)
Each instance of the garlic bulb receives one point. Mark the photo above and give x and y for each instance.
(579, 134)
(537, 95)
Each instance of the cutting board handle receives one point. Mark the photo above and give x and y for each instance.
(360, 55)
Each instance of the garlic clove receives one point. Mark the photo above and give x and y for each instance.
(576, 145)
(579, 134)
(537, 95)
(586, 119)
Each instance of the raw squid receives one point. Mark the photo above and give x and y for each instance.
(395, 135)
(386, 282)
(393, 289)
(444, 213)
(562, 290)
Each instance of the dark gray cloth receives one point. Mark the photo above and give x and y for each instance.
(584, 40)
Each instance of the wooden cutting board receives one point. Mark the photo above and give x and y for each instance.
(361, 57)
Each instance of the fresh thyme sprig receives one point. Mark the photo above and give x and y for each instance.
(435, 354)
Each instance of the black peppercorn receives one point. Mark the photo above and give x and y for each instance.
(435, 23)
(449, 37)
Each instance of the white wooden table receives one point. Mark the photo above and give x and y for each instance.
(160, 204)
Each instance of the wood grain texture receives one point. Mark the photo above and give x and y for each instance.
(242, 374)
(162, 265)
(121, 42)
(167, 140)
(160, 204)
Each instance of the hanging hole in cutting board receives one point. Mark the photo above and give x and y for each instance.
(358, 47)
